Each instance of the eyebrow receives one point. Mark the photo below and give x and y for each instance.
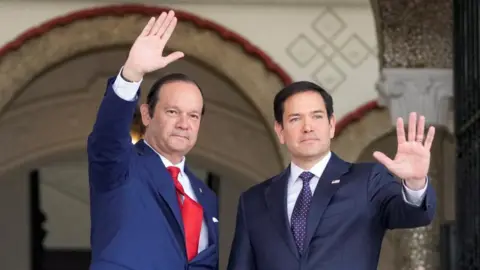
(314, 112)
(178, 109)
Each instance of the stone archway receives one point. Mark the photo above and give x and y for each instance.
(246, 67)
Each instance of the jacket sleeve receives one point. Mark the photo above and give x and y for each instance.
(387, 197)
(109, 145)
(241, 254)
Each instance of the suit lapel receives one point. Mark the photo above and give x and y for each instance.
(164, 186)
(324, 192)
(276, 199)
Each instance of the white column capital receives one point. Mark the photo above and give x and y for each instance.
(426, 91)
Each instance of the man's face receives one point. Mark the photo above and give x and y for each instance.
(306, 130)
(176, 120)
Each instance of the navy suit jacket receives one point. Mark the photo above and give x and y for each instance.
(136, 220)
(346, 222)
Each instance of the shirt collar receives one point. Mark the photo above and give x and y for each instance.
(317, 169)
(168, 163)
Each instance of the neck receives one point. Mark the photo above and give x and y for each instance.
(306, 163)
(172, 157)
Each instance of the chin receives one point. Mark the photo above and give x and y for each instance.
(179, 147)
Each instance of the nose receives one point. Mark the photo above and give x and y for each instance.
(182, 122)
(307, 127)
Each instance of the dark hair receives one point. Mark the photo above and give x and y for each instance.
(295, 88)
(152, 97)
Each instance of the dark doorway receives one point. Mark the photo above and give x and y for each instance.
(43, 258)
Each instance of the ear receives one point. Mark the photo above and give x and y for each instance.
(333, 122)
(144, 111)
(279, 131)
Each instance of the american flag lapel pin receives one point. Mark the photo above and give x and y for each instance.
(336, 181)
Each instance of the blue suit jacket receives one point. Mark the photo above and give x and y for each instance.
(346, 222)
(136, 220)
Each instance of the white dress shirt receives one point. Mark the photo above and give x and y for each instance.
(128, 91)
(295, 184)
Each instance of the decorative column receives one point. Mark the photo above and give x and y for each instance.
(429, 93)
(467, 132)
(415, 53)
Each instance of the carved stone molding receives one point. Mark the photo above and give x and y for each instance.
(247, 67)
(426, 91)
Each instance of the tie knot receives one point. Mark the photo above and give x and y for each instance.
(306, 176)
(174, 171)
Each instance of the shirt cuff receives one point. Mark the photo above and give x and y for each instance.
(126, 90)
(414, 197)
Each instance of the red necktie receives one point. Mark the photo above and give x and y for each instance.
(192, 215)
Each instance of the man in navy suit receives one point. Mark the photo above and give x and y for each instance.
(148, 211)
(322, 212)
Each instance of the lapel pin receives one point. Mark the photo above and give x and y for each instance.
(336, 181)
(201, 191)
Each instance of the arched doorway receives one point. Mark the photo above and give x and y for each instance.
(54, 85)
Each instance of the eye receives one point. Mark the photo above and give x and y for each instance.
(195, 116)
(171, 112)
(293, 119)
(318, 116)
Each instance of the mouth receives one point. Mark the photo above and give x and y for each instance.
(309, 140)
(181, 137)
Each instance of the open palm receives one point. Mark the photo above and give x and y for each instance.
(146, 54)
(412, 160)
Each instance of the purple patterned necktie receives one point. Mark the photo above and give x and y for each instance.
(300, 211)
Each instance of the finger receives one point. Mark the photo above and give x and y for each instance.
(146, 30)
(168, 32)
(166, 23)
(173, 57)
(400, 131)
(420, 129)
(412, 124)
(382, 158)
(429, 140)
(159, 23)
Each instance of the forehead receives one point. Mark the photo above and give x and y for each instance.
(181, 94)
(309, 100)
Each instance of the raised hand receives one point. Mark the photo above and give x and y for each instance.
(412, 161)
(146, 54)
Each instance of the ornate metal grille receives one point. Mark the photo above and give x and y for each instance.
(467, 131)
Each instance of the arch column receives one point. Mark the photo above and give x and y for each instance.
(415, 52)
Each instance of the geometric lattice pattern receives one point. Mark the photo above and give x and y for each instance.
(353, 51)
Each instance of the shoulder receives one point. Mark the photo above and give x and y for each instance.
(369, 170)
(258, 190)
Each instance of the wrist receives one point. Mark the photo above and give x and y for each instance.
(415, 184)
(131, 74)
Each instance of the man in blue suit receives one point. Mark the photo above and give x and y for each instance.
(322, 212)
(148, 211)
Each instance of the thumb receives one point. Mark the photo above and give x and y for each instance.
(173, 57)
(382, 158)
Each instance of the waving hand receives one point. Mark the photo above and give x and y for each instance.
(146, 54)
(412, 161)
